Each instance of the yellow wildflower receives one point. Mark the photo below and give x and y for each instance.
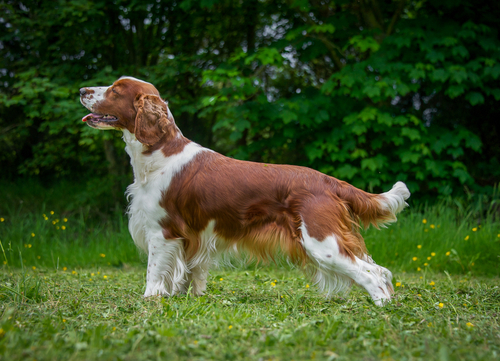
(102, 255)
(432, 283)
(419, 295)
(419, 246)
(34, 268)
(105, 277)
(441, 305)
(448, 253)
(474, 229)
(273, 284)
(414, 258)
(32, 235)
(419, 269)
(38, 257)
(65, 268)
(4, 262)
(2, 219)
(230, 327)
(429, 258)
(433, 226)
(51, 212)
(64, 320)
(114, 328)
(91, 274)
(426, 230)
(221, 279)
(433, 254)
(426, 264)
(398, 284)
(307, 286)
(466, 238)
(469, 324)
(424, 221)
(73, 272)
(65, 219)
(63, 227)
(29, 245)
(53, 222)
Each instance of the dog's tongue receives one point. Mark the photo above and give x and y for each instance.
(91, 115)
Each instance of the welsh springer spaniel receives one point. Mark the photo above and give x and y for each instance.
(190, 203)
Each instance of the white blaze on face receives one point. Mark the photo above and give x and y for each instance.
(90, 99)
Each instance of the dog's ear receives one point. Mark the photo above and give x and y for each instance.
(152, 120)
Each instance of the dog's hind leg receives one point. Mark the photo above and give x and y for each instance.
(335, 272)
(166, 273)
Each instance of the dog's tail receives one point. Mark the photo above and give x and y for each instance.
(375, 209)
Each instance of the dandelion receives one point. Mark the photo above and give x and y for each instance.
(53, 222)
(448, 253)
(106, 277)
(419, 295)
(498, 235)
(426, 264)
(414, 258)
(429, 258)
(432, 283)
(441, 305)
(57, 227)
(4, 262)
(472, 264)
(3, 219)
(273, 284)
(114, 328)
(307, 286)
(90, 279)
(419, 269)
(65, 219)
(474, 229)
(32, 235)
(230, 327)
(433, 226)
(63, 227)
(429, 324)
(91, 274)
(419, 246)
(424, 221)
(426, 230)
(398, 284)
(469, 324)
(221, 279)
(2, 332)
(98, 272)
(433, 254)
(64, 320)
(73, 272)
(46, 218)
(34, 268)
(102, 255)
(38, 257)
(29, 245)
(65, 268)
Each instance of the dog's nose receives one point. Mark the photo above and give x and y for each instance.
(83, 91)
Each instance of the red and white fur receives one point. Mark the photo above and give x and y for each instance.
(189, 204)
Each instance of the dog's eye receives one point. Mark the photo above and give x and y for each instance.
(114, 91)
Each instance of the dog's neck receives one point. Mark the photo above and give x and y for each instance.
(147, 160)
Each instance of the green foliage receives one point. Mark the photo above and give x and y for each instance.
(369, 92)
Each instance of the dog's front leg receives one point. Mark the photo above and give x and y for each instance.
(166, 267)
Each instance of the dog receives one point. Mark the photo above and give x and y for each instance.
(190, 204)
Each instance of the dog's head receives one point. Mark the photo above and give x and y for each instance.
(130, 104)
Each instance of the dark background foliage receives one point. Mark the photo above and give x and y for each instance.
(369, 91)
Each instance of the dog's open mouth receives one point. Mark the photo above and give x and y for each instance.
(93, 117)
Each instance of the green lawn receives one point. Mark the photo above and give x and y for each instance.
(71, 288)
(259, 313)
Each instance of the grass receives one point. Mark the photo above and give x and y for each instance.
(71, 285)
(253, 314)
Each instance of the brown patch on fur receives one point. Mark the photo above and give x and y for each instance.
(260, 207)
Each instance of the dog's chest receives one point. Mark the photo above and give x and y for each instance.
(153, 175)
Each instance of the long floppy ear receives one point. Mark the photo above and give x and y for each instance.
(152, 119)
